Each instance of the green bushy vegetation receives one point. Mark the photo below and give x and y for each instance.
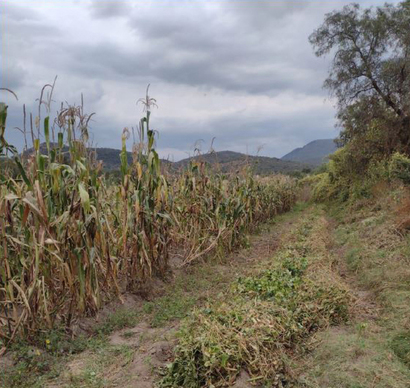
(370, 78)
(261, 320)
(399, 168)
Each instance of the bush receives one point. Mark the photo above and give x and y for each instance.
(399, 168)
(346, 180)
(322, 187)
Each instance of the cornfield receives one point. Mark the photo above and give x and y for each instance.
(70, 241)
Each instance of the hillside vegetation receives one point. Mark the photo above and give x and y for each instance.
(227, 162)
(232, 162)
(221, 161)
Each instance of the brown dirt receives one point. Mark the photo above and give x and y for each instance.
(85, 325)
(356, 359)
(242, 381)
(151, 350)
(152, 347)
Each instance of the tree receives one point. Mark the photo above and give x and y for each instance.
(371, 61)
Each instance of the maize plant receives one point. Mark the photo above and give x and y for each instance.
(70, 241)
(145, 196)
(214, 212)
(54, 235)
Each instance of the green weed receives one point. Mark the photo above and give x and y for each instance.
(254, 326)
(401, 347)
(118, 320)
(168, 308)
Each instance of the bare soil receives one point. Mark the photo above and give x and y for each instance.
(149, 349)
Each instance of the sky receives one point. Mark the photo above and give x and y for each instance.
(240, 71)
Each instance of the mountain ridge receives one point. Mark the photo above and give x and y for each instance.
(314, 153)
(231, 161)
(225, 161)
(300, 159)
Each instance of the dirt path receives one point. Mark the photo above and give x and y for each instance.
(352, 355)
(134, 356)
(358, 354)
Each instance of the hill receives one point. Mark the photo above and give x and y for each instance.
(229, 161)
(109, 156)
(313, 153)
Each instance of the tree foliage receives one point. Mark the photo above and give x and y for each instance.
(370, 78)
(370, 71)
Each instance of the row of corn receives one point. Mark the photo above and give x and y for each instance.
(70, 241)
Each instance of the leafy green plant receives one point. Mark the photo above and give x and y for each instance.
(399, 167)
(256, 324)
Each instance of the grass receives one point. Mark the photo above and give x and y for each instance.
(96, 365)
(168, 308)
(401, 347)
(372, 351)
(258, 323)
(118, 320)
(353, 259)
(192, 287)
(348, 358)
(43, 358)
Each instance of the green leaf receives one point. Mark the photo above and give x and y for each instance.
(85, 198)
(23, 173)
(47, 132)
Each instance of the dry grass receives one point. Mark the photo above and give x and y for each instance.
(260, 322)
(371, 252)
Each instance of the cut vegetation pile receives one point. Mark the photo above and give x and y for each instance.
(261, 321)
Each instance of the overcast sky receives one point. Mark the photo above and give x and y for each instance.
(242, 71)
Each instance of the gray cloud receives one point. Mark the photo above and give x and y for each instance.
(223, 49)
(105, 9)
(264, 13)
(276, 136)
(242, 71)
(12, 76)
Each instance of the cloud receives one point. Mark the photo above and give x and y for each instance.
(263, 13)
(240, 71)
(12, 77)
(215, 47)
(105, 9)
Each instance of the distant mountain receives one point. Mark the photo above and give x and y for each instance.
(109, 156)
(314, 153)
(229, 161)
(225, 161)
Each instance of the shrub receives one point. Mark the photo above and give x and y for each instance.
(399, 167)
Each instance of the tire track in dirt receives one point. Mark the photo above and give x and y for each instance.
(353, 354)
(135, 356)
